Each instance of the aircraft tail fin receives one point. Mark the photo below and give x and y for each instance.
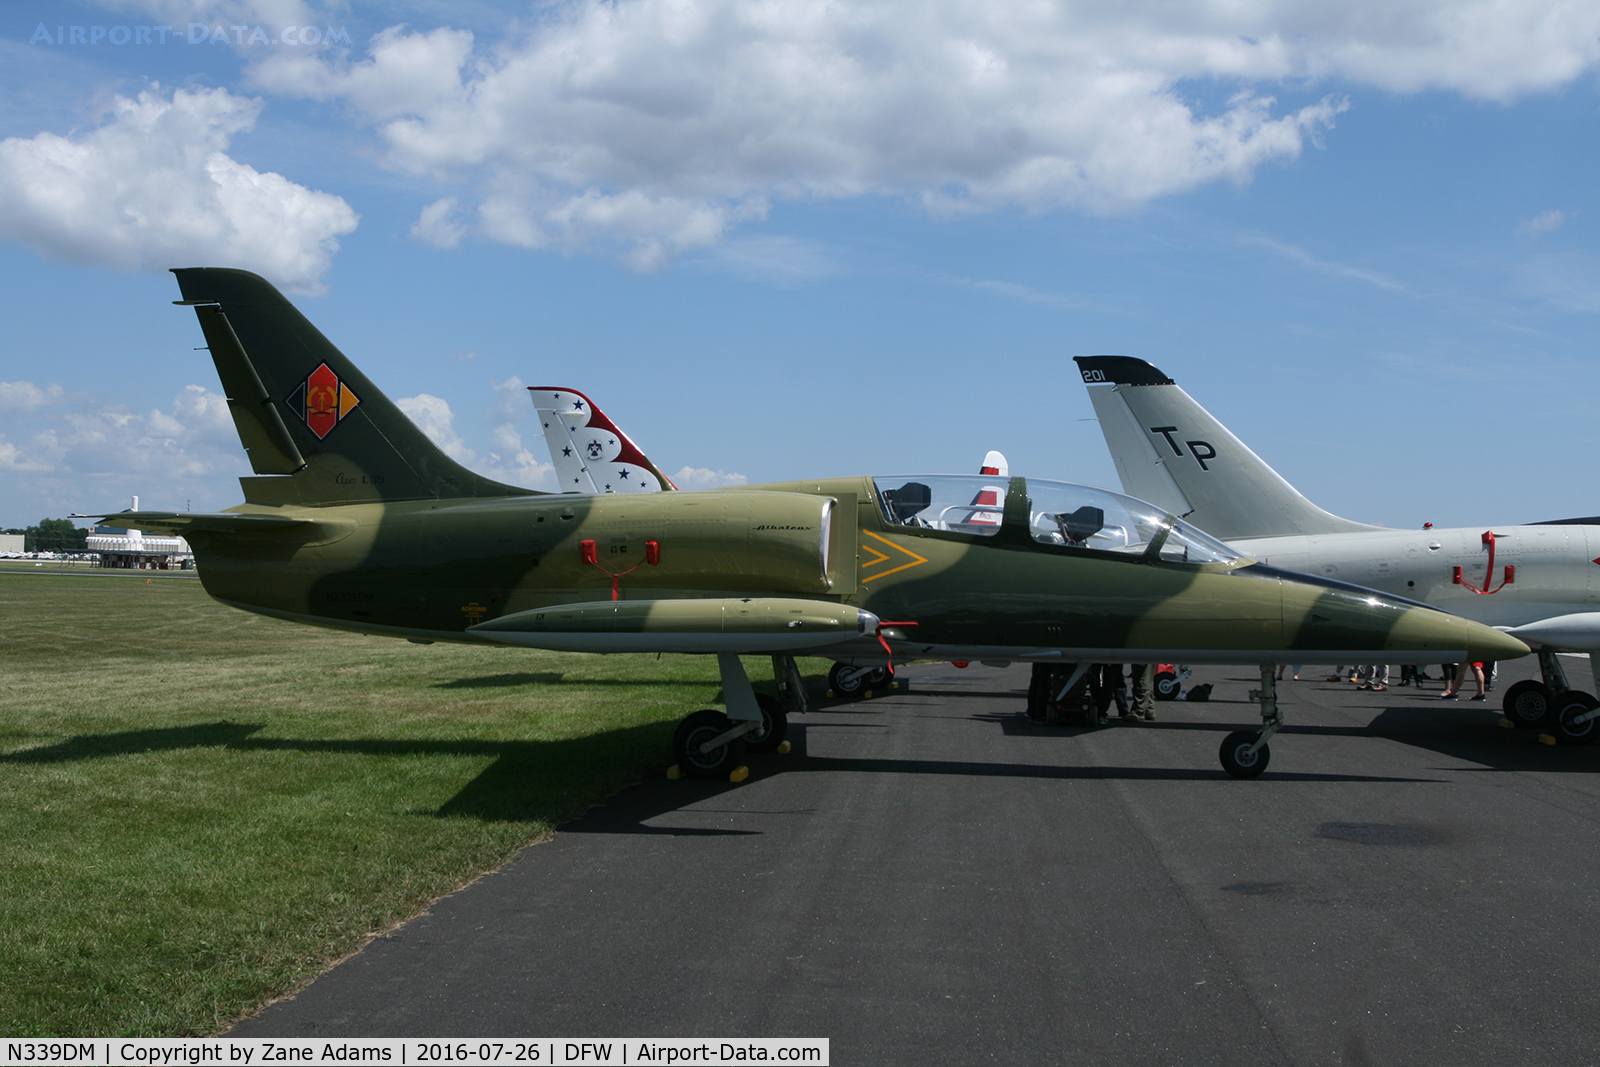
(316, 429)
(590, 453)
(1174, 453)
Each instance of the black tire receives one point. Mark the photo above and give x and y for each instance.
(1528, 703)
(774, 725)
(876, 677)
(695, 730)
(843, 684)
(1167, 685)
(1567, 707)
(1236, 758)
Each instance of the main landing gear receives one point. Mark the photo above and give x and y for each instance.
(1569, 716)
(1245, 753)
(1058, 695)
(849, 681)
(711, 744)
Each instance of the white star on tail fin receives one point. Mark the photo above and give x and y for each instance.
(591, 455)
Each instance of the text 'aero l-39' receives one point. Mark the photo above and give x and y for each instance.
(355, 520)
(1539, 582)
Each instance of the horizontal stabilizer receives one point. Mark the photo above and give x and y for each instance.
(186, 524)
(742, 625)
(1174, 453)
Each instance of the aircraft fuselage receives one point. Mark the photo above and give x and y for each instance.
(1553, 568)
(484, 570)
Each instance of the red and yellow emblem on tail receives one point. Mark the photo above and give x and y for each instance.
(322, 401)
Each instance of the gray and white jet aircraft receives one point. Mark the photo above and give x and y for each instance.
(1540, 581)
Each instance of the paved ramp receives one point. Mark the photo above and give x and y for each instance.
(930, 879)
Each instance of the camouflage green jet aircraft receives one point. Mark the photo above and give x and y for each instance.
(356, 520)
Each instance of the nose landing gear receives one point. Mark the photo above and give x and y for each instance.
(1245, 753)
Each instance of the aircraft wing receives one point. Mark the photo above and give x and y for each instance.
(590, 454)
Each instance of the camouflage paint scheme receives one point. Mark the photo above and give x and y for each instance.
(356, 520)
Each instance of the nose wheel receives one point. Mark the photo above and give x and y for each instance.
(1242, 757)
(1244, 753)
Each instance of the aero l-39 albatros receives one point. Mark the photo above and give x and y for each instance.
(355, 520)
(1538, 582)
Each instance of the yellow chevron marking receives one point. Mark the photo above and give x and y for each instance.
(883, 557)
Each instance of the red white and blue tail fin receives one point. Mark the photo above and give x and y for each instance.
(991, 497)
(590, 454)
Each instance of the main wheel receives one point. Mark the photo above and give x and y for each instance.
(876, 677)
(694, 731)
(1167, 685)
(1565, 712)
(1238, 760)
(847, 681)
(774, 724)
(1528, 703)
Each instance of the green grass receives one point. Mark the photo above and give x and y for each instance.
(204, 808)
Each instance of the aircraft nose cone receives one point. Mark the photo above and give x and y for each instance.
(1344, 620)
(1425, 630)
(1485, 643)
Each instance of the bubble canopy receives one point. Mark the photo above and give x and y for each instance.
(1061, 514)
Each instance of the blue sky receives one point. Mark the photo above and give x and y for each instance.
(780, 240)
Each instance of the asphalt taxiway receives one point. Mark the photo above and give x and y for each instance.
(928, 878)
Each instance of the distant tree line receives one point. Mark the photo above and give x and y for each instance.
(52, 535)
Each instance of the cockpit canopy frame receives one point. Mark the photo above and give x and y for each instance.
(1065, 515)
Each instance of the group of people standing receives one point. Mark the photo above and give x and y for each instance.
(1376, 677)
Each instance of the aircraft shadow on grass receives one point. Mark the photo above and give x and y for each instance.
(538, 780)
(527, 780)
(500, 681)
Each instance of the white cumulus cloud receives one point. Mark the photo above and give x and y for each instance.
(196, 438)
(651, 127)
(704, 478)
(507, 459)
(25, 396)
(433, 417)
(153, 187)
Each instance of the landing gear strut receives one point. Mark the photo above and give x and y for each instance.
(1569, 717)
(710, 744)
(775, 713)
(1244, 753)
